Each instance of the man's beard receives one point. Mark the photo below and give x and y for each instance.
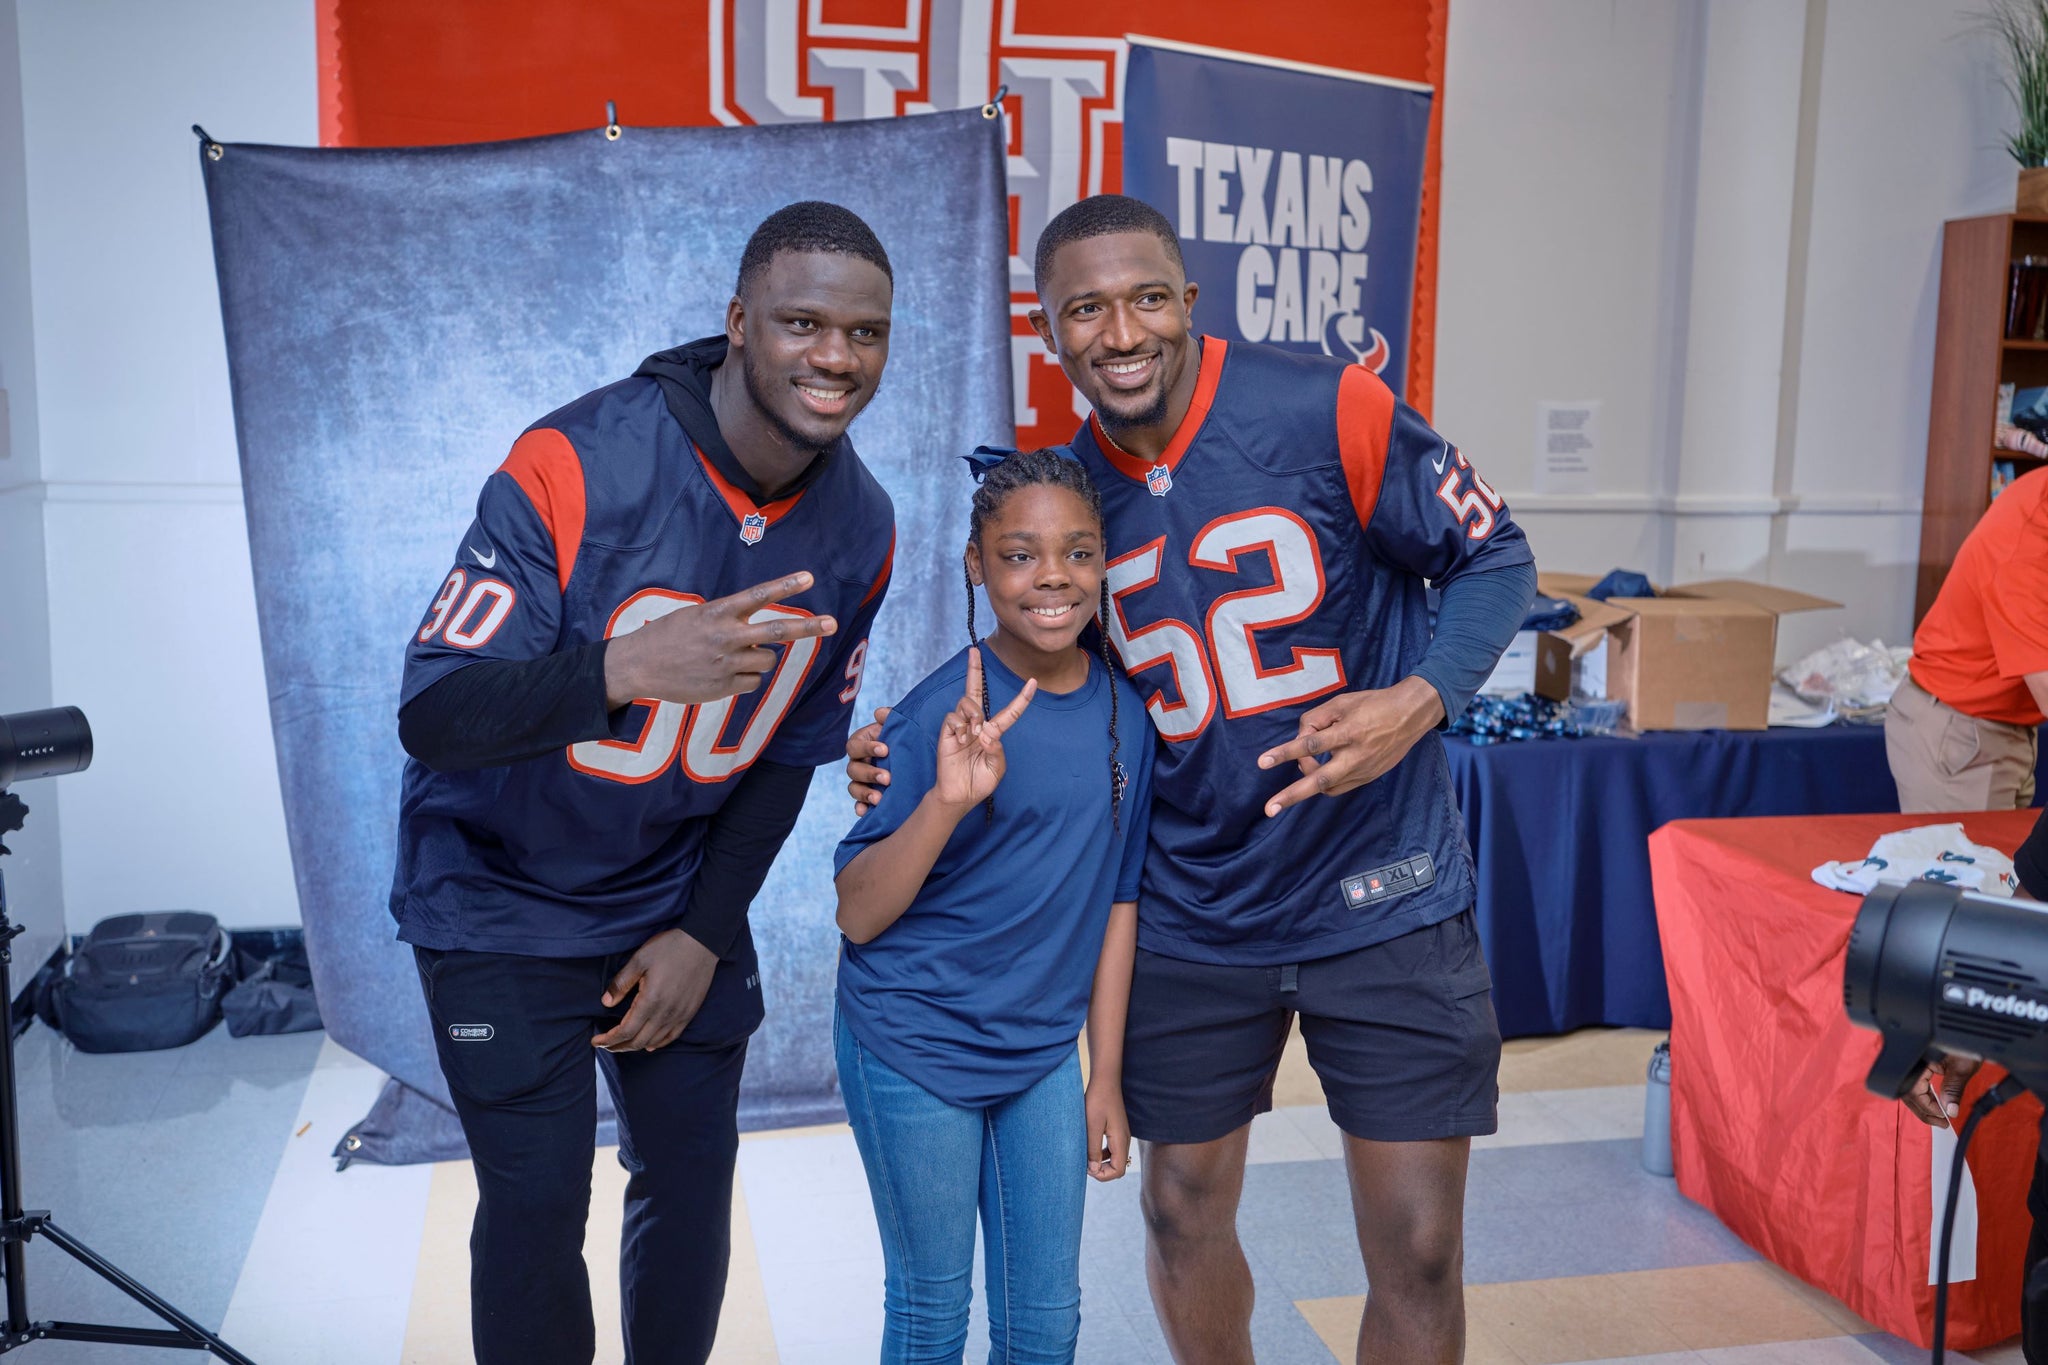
(1151, 415)
(759, 390)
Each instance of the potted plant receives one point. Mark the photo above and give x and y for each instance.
(2021, 27)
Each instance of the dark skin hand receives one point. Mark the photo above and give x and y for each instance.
(1353, 739)
(865, 779)
(672, 974)
(1945, 1078)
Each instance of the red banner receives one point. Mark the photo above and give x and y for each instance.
(400, 73)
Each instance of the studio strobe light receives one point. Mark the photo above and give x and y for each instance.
(1939, 971)
(50, 744)
(43, 744)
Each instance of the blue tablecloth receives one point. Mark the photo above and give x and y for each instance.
(1560, 829)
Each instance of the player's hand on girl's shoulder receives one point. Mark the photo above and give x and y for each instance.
(1109, 1131)
(865, 778)
(970, 748)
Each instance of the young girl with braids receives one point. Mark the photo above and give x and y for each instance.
(989, 908)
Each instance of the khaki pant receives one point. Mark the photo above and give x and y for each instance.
(1943, 760)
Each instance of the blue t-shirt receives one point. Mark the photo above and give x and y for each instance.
(982, 986)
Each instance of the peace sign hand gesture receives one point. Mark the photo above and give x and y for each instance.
(970, 754)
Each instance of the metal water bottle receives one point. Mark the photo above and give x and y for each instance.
(1657, 1112)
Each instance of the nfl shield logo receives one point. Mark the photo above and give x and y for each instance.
(1159, 479)
(752, 527)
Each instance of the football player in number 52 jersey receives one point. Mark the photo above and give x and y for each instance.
(1272, 519)
(650, 635)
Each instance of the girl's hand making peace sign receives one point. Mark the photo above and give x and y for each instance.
(970, 754)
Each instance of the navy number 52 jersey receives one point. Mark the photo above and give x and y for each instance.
(1273, 557)
(605, 517)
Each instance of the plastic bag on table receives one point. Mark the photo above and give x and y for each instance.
(1857, 679)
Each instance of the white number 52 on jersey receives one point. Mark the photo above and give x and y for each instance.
(1223, 658)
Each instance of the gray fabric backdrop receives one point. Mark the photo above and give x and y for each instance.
(396, 317)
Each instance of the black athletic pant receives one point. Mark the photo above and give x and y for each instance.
(514, 1038)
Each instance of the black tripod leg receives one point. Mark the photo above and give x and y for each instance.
(134, 1289)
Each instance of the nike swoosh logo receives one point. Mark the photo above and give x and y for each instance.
(490, 563)
(1438, 467)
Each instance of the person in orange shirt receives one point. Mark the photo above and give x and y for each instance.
(1961, 732)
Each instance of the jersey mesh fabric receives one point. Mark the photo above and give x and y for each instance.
(604, 517)
(1273, 558)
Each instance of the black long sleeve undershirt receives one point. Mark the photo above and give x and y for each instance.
(745, 835)
(496, 712)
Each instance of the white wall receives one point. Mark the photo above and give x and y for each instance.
(151, 612)
(34, 875)
(1563, 251)
(1653, 203)
(1658, 204)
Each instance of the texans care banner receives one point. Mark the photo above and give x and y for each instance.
(1297, 193)
(396, 318)
(402, 73)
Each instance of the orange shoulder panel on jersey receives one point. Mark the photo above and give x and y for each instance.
(888, 565)
(1365, 423)
(547, 469)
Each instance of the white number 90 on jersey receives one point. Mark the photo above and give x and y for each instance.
(696, 731)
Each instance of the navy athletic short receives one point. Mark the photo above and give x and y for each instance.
(1402, 1034)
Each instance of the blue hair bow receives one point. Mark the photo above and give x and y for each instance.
(986, 458)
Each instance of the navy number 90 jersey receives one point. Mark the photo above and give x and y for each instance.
(1273, 557)
(604, 517)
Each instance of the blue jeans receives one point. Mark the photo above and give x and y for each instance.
(1021, 1164)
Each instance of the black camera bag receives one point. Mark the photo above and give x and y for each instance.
(142, 982)
(274, 995)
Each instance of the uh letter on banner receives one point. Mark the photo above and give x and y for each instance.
(1296, 190)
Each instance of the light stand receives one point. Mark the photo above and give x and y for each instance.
(17, 1224)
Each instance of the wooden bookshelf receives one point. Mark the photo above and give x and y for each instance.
(1972, 357)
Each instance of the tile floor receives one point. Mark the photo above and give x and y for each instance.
(205, 1172)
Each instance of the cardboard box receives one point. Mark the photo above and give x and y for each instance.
(1559, 664)
(1699, 657)
(1571, 661)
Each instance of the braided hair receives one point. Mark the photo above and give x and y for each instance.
(998, 479)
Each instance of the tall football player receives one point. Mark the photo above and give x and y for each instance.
(651, 634)
(1272, 518)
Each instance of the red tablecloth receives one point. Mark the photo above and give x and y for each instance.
(1772, 1129)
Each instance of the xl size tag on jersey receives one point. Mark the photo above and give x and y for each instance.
(1395, 879)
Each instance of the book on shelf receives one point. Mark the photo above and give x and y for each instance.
(2002, 473)
(2005, 393)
